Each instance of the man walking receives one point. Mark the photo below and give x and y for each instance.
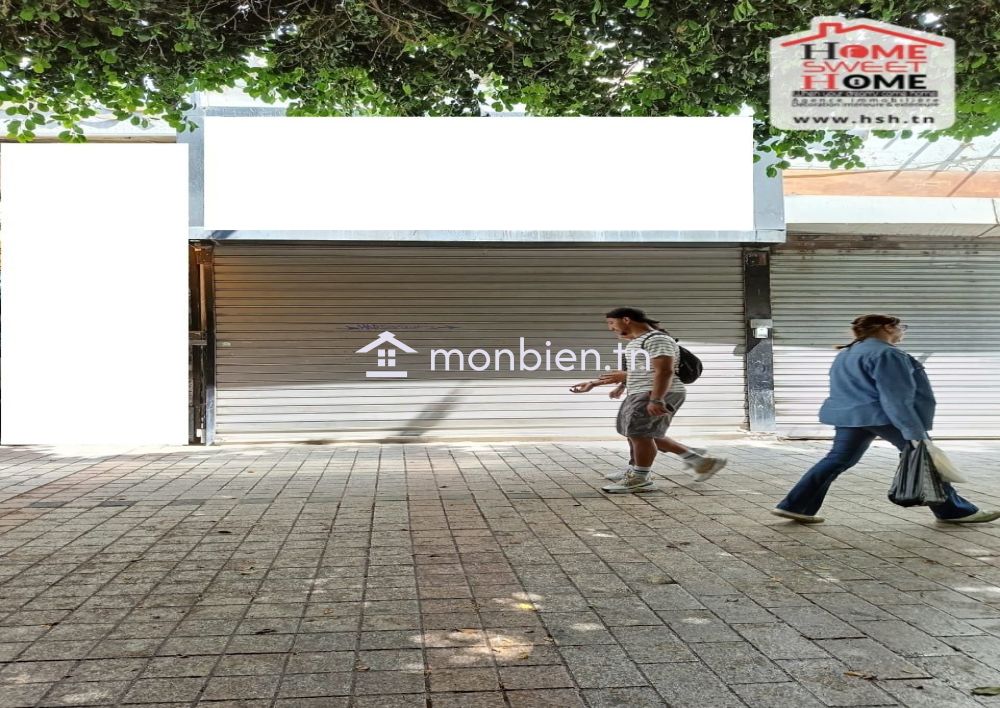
(655, 394)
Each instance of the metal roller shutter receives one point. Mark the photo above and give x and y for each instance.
(290, 318)
(950, 297)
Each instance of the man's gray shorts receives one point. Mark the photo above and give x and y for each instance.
(635, 422)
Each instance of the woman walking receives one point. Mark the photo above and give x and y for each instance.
(876, 391)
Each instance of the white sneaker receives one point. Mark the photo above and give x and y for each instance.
(980, 517)
(801, 518)
(631, 484)
(705, 468)
(619, 476)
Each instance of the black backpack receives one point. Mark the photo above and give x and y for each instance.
(689, 367)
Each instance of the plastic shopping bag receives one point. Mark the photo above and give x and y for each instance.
(917, 482)
(945, 467)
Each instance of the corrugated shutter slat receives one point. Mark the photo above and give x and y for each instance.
(290, 318)
(950, 298)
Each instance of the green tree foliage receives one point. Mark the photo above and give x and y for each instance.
(63, 60)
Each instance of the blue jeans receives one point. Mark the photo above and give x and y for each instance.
(849, 446)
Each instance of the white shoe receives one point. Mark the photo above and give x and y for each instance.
(980, 517)
(618, 476)
(706, 467)
(631, 484)
(801, 518)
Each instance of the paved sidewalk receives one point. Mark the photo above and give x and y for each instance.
(483, 575)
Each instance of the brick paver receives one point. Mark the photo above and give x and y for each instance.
(483, 575)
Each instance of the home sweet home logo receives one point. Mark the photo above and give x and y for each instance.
(861, 74)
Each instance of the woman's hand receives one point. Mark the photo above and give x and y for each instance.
(617, 392)
(583, 387)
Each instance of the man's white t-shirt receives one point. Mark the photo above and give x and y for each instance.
(640, 369)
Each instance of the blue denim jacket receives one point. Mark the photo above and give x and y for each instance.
(874, 383)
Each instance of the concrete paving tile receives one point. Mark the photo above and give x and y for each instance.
(959, 605)
(240, 687)
(308, 662)
(463, 679)
(624, 612)
(460, 657)
(739, 662)
(816, 623)
(670, 597)
(826, 679)
(326, 641)
(738, 609)
(80, 631)
(23, 672)
(557, 698)
(254, 664)
(534, 677)
(904, 638)
(690, 685)
(867, 656)
(523, 654)
(985, 649)
(928, 693)
(410, 700)
(384, 682)
(11, 650)
(847, 607)
(935, 622)
(178, 667)
(27, 633)
(990, 626)
(770, 695)
(622, 698)
(576, 628)
(320, 685)
(780, 641)
(23, 696)
(92, 693)
(409, 660)
(469, 700)
(266, 644)
(54, 651)
(157, 690)
(191, 646)
(652, 644)
(602, 667)
(325, 702)
(699, 626)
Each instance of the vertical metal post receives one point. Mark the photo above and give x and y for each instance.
(202, 281)
(759, 344)
(195, 140)
(208, 358)
(195, 344)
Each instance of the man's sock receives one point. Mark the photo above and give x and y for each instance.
(690, 456)
(641, 471)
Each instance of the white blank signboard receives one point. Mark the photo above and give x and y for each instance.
(471, 174)
(93, 346)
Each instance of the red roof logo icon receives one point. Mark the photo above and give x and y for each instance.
(826, 29)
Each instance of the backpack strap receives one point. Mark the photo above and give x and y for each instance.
(652, 334)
